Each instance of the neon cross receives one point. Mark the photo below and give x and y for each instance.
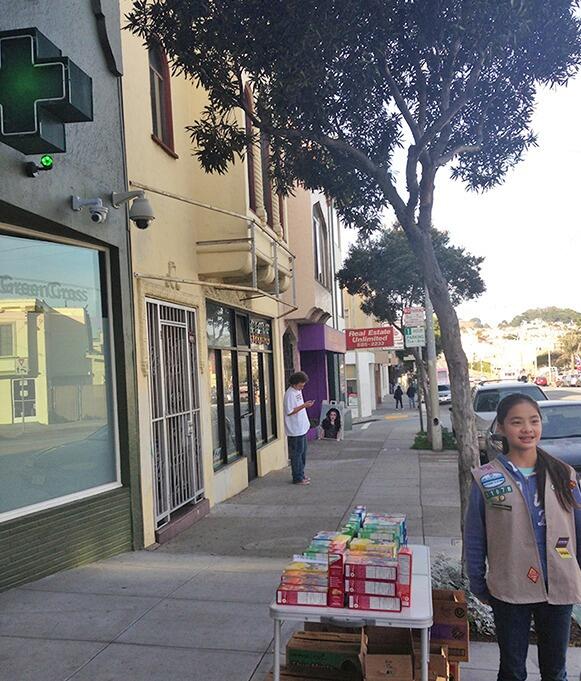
(40, 91)
(25, 86)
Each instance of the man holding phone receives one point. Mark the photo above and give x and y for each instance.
(296, 425)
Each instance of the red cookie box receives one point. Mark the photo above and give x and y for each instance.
(314, 596)
(371, 588)
(336, 567)
(336, 597)
(367, 602)
(367, 567)
(404, 576)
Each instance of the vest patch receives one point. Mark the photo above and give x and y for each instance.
(497, 493)
(533, 575)
(561, 547)
(492, 480)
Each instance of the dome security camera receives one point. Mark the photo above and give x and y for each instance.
(98, 214)
(141, 211)
(97, 211)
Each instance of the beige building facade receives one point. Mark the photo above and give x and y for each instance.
(208, 276)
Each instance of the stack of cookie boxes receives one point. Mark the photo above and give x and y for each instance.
(366, 566)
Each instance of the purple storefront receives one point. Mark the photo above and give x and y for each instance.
(322, 356)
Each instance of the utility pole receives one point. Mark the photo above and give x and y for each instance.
(435, 426)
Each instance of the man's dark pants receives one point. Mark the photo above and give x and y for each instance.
(297, 450)
(513, 623)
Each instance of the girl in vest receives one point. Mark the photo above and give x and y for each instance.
(524, 523)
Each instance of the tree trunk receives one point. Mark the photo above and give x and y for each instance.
(464, 421)
(423, 388)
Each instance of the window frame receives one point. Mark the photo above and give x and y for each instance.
(250, 153)
(266, 178)
(250, 350)
(12, 327)
(165, 115)
(106, 306)
(321, 248)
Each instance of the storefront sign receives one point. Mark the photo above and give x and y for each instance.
(414, 316)
(415, 336)
(380, 337)
(40, 91)
(46, 290)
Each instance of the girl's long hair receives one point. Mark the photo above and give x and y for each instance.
(547, 465)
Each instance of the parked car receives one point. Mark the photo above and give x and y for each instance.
(571, 380)
(486, 399)
(561, 433)
(444, 394)
(541, 380)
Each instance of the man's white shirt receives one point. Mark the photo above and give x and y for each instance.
(297, 424)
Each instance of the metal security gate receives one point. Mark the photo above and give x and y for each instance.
(175, 409)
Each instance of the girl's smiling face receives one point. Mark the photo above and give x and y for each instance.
(522, 427)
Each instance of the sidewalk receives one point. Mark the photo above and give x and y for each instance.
(196, 609)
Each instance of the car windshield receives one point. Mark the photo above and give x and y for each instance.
(487, 400)
(443, 388)
(561, 421)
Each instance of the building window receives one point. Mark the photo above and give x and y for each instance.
(6, 340)
(266, 179)
(281, 216)
(241, 383)
(160, 87)
(321, 248)
(250, 154)
(56, 392)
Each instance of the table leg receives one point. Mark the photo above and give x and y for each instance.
(277, 632)
(425, 654)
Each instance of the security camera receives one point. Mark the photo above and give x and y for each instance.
(98, 214)
(97, 210)
(141, 211)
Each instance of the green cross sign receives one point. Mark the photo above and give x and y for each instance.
(40, 91)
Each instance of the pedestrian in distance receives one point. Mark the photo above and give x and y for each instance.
(398, 396)
(524, 521)
(296, 425)
(411, 393)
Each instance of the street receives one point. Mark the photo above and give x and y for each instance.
(197, 607)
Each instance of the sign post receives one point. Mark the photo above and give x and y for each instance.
(415, 336)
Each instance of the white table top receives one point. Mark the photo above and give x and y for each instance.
(418, 616)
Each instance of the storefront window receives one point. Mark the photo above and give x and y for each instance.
(214, 400)
(244, 417)
(56, 400)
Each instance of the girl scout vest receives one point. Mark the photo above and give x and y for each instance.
(514, 573)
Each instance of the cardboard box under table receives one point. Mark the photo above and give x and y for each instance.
(451, 626)
(309, 651)
(418, 616)
(387, 654)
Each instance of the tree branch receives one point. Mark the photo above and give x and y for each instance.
(460, 149)
(448, 114)
(398, 97)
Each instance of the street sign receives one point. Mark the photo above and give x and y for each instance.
(398, 343)
(22, 365)
(415, 336)
(414, 316)
(380, 337)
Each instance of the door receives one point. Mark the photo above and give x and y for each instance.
(247, 425)
(174, 405)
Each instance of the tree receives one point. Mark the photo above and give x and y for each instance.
(384, 271)
(548, 314)
(339, 86)
(570, 346)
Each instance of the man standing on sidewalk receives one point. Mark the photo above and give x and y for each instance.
(296, 425)
(411, 393)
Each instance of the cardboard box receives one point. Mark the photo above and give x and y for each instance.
(373, 588)
(387, 654)
(451, 626)
(454, 671)
(313, 651)
(438, 666)
(404, 577)
(366, 602)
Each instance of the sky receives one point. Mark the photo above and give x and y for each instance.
(528, 229)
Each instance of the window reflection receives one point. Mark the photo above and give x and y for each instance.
(56, 427)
